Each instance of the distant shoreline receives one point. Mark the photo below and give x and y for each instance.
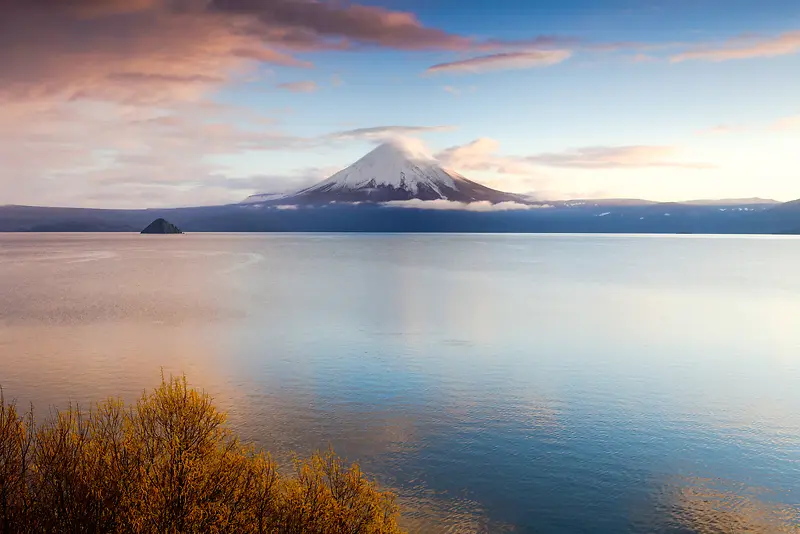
(667, 218)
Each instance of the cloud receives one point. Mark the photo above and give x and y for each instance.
(273, 57)
(299, 87)
(85, 153)
(782, 125)
(559, 175)
(458, 91)
(481, 155)
(603, 157)
(643, 58)
(381, 133)
(151, 77)
(131, 58)
(159, 51)
(743, 48)
(316, 24)
(88, 8)
(723, 129)
(283, 183)
(82, 152)
(787, 124)
(504, 61)
(460, 206)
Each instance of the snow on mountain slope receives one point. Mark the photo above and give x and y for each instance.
(392, 172)
(389, 165)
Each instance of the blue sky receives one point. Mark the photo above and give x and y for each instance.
(658, 99)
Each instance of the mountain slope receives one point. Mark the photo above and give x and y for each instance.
(391, 173)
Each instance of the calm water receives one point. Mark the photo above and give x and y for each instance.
(554, 384)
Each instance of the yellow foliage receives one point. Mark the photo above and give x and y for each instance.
(169, 465)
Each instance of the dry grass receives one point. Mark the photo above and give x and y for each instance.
(168, 464)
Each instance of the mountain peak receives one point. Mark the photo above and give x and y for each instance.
(400, 149)
(397, 170)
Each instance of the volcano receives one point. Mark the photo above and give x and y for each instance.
(391, 172)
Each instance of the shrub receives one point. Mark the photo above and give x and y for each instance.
(170, 465)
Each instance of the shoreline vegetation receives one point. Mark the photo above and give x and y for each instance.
(168, 464)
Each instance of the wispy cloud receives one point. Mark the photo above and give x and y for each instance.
(481, 155)
(299, 87)
(743, 48)
(723, 129)
(504, 61)
(145, 156)
(319, 24)
(458, 91)
(558, 174)
(386, 132)
(182, 49)
(643, 58)
(277, 183)
(605, 157)
(787, 124)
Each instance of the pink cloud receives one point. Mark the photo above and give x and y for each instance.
(140, 58)
(615, 157)
(504, 61)
(643, 58)
(309, 23)
(92, 153)
(274, 57)
(299, 87)
(82, 152)
(91, 8)
(182, 48)
(383, 133)
(723, 129)
(743, 48)
(787, 124)
(481, 155)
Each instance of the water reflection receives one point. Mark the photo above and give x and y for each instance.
(715, 507)
(497, 382)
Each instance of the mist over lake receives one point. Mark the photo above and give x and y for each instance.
(525, 383)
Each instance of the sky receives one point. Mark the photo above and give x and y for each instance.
(152, 103)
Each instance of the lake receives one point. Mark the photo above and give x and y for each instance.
(521, 383)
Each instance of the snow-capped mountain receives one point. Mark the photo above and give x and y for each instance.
(392, 172)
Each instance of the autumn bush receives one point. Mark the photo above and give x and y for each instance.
(169, 464)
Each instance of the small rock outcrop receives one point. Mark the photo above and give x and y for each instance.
(161, 226)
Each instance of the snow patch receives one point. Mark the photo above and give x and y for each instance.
(396, 164)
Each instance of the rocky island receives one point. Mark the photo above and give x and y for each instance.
(161, 226)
